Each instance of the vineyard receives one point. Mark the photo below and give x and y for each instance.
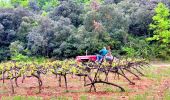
(91, 72)
(51, 48)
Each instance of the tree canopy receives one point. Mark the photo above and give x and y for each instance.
(67, 28)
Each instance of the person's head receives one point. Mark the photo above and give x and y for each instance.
(108, 48)
(104, 47)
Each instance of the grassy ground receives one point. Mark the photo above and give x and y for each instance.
(155, 85)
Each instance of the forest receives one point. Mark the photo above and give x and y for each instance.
(62, 29)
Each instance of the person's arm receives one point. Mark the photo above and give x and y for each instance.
(100, 52)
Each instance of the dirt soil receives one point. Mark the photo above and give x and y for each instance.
(76, 87)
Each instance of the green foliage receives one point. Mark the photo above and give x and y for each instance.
(161, 32)
(67, 28)
(10, 21)
(49, 5)
(68, 9)
(27, 24)
(161, 24)
(83, 97)
(138, 47)
(130, 51)
(19, 57)
(5, 4)
(4, 53)
(16, 47)
(84, 1)
(113, 19)
(139, 15)
(21, 98)
(36, 4)
(48, 37)
(23, 3)
(44, 5)
(62, 98)
(108, 17)
(140, 97)
(40, 36)
(44, 13)
(108, 25)
(23, 58)
(166, 95)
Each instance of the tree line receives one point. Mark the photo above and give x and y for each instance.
(67, 28)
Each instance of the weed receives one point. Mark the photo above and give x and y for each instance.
(83, 97)
(21, 98)
(166, 95)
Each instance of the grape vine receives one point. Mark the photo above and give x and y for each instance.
(12, 70)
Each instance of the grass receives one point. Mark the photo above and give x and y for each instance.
(22, 98)
(139, 97)
(166, 95)
(2, 91)
(75, 91)
(83, 97)
(62, 98)
(142, 96)
(157, 74)
(109, 89)
(115, 89)
(152, 73)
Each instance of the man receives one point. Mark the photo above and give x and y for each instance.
(109, 56)
(101, 55)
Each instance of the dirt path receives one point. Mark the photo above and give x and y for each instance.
(160, 64)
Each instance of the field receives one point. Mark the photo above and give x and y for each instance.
(153, 86)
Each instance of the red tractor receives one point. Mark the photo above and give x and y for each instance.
(86, 58)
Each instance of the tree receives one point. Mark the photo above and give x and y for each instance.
(40, 36)
(161, 29)
(47, 5)
(5, 4)
(47, 37)
(111, 22)
(68, 9)
(16, 47)
(161, 24)
(27, 24)
(112, 1)
(139, 14)
(10, 20)
(23, 3)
